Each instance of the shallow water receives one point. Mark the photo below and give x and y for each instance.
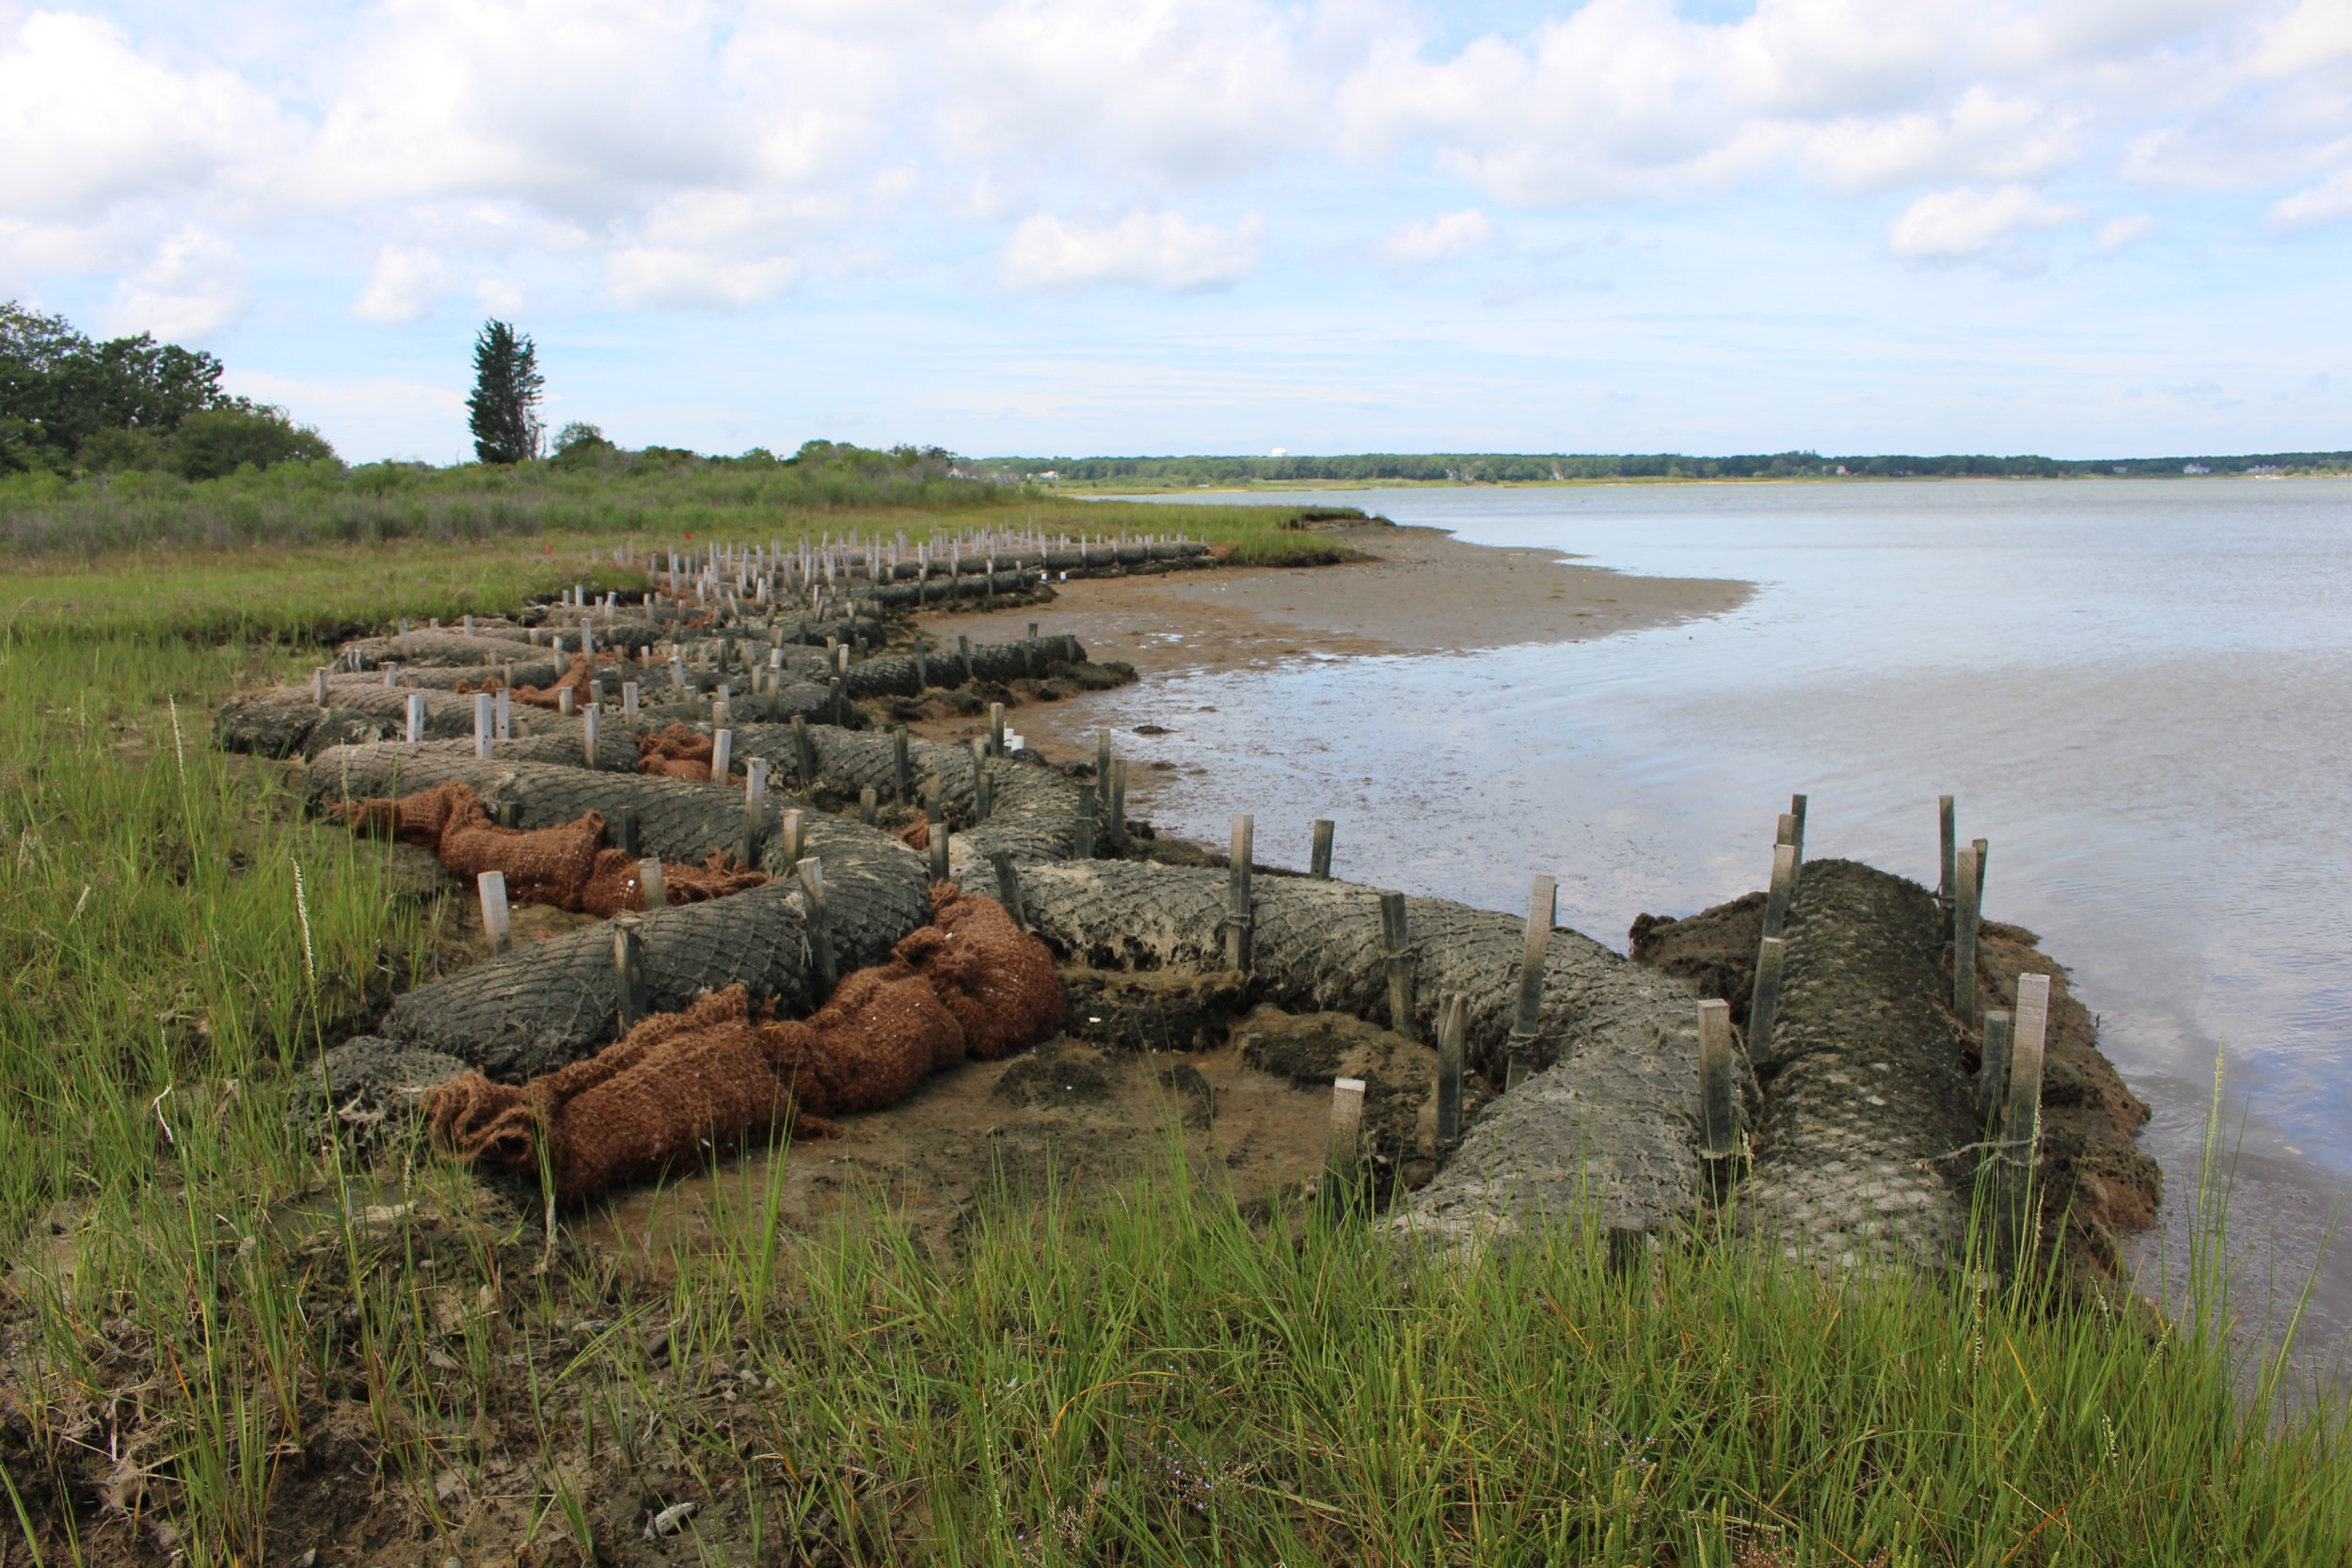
(2140, 691)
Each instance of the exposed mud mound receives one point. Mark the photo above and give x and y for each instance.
(1153, 1009)
(1400, 1078)
(1063, 1073)
(2097, 1183)
(1867, 1100)
(1713, 952)
(681, 1087)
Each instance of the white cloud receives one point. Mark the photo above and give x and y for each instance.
(2116, 234)
(191, 289)
(2326, 202)
(1971, 225)
(1439, 239)
(500, 296)
(668, 278)
(1155, 250)
(403, 286)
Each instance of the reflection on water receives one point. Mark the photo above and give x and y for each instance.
(2136, 688)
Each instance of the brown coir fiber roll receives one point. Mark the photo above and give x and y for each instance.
(885, 1031)
(676, 753)
(561, 865)
(680, 1088)
(576, 679)
(999, 982)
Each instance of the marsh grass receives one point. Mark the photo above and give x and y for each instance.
(221, 1337)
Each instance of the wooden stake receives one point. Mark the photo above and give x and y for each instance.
(794, 826)
(1984, 856)
(628, 963)
(754, 783)
(318, 685)
(588, 732)
(1795, 809)
(1397, 939)
(2021, 1118)
(805, 752)
(1948, 837)
(1993, 1069)
(939, 851)
(1965, 919)
(1117, 820)
(484, 725)
(996, 729)
(722, 755)
(1543, 911)
(1344, 1158)
(564, 701)
(1783, 891)
(1239, 917)
(416, 716)
(1453, 1026)
(1008, 887)
(625, 832)
(1719, 1096)
(868, 806)
(812, 876)
(506, 705)
(491, 885)
(1319, 857)
(902, 771)
(1771, 956)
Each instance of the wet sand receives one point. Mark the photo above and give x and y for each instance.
(1421, 590)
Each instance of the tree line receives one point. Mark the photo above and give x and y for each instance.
(1543, 467)
(71, 404)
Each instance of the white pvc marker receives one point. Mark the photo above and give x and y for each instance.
(318, 685)
(588, 640)
(722, 755)
(469, 626)
(588, 732)
(494, 920)
(484, 725)
(650, 892)
(416, 716)
(721, 710)
(754, 783)
(505, 713)
(628, 699)
(775, 658)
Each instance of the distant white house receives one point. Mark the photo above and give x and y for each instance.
(2195, 469)
(1279, 451)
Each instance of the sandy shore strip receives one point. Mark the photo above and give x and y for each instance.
(1421, 590)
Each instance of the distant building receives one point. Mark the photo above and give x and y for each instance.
(1279, 451)
(2195, 469)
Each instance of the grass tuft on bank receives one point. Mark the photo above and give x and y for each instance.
(215, 1341)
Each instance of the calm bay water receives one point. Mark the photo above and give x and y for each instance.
(2140, 691)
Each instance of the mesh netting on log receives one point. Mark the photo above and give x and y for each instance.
(699, 1082)
(565, 866)
(286, 721)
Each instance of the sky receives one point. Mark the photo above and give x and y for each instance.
(2085, 227)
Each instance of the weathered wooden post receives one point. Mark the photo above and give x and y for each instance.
(564, 701)
(416, 716)
(1783, 889)
(939, 849)
(2021, 1119)
(1965, 915)
(794, 827)
(901, 768)
(1343, 1159)
(811, 876)
(1319, 856)
(1718, 1093)
(1795, 809)
(1993, 1069)
(496, 922)
(804, 752)
(625, 832)
(1008, 887)
(1543, 909)
(1102, 766)
(1397, 939)
(588, 725)
(1239, 919)
(507, 707)
(722, 755)
(1947, 833)
(1772, 957)
(983, 792)
(485, 719)
(996, 729)
(1984, 856)
(963, 651)
(628, 700)
(628, 963)
(1117, 820)
(868, 806)
(318, 685)
(1453, 1025)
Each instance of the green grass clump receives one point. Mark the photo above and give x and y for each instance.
(215, 1334)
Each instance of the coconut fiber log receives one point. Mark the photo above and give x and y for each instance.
(530, 669)
(897, 674)
(286, 722)
(436, 646)
(550, 1003)
(704, 1079)
(1855, 1160)
(1612, 1122)
(564, 866)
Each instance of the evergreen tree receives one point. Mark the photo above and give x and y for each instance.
(504, 408)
